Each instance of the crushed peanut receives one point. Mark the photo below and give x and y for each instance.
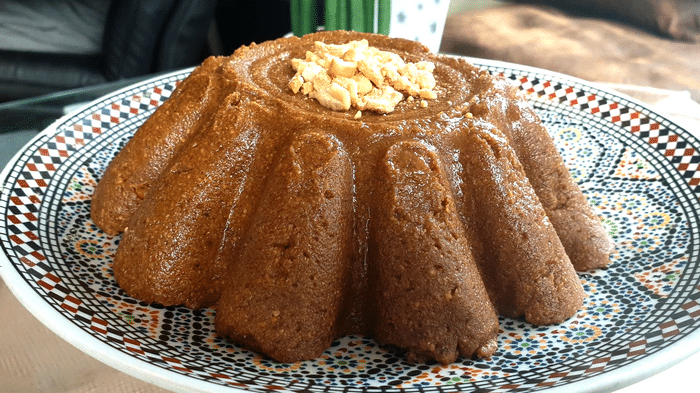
(362, 77)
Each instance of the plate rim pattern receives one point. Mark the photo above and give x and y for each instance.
(64, 140)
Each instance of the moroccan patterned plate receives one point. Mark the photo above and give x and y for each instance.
(638, 168)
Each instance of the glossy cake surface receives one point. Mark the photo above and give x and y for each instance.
(301, 224)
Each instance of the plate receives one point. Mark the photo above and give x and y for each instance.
(638, 169)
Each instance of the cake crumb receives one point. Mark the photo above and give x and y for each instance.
(355, 75)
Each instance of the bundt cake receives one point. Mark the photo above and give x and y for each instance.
(300, 223)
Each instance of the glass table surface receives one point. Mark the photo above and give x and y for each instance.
(21, 120)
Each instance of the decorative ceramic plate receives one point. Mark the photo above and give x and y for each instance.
(638, 169)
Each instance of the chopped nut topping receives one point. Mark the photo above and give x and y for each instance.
(362, 77)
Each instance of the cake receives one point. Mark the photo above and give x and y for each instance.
(301, 224)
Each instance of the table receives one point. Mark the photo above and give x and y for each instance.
(26, 364)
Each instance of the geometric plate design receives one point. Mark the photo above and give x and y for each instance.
(639, 170)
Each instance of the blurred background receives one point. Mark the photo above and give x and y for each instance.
(48, 46)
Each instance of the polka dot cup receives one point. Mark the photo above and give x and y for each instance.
(419, 20)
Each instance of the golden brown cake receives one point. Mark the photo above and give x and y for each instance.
(301, 224)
